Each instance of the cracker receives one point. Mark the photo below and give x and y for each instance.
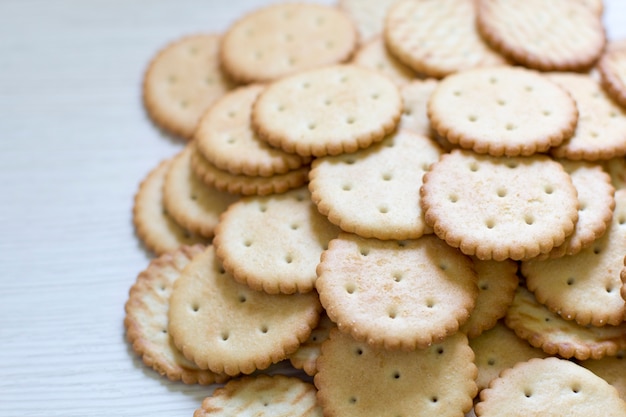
(601, 129)
(549, 387)
(610, 368)
(355, 379)
(146, 319)
(229, 328)
(585, 287)
(262, 395)
(190, 202)
(284, 39)
(374, 192)
(498, 349)
(153, 225)
(556, 336)
(437, 37)
(499, 208)
(559, 35)
(226, 139)
(375, 56)
(595, 206)
(396, 294)
(305, 357)
(616, 168)
(246, 184)
(612, 69)
(368, 15)
(327, 111)
(182, 81)
(273, 243)
(497, 282)
(415, 96)
(502, 111)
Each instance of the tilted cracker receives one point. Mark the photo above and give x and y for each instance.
(437, 37)
(374, 55)
(262, 396)
(396, 294)
(595, 207)
(610, 368)
(502, 111)
(548, 331)
(305, 357)
(497, 281)
(601, 130)
(226, 139)
(374, 192)
(549, 387)
(182, 81)
(498, 349)
(154, 227)
(415, 96)
(327, 111)
(559, 35)
(585, 287)
(146, 319)
(246, 184)
(368, 15)
(355, 379)
(499, 208)
(283, 39)
(612, 68)
(229, 328)
(273, 243)
(190, 202)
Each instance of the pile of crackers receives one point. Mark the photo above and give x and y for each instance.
(419, 205)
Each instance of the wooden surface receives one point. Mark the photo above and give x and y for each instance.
(74, 145)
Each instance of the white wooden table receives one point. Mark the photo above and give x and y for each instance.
(74, 145)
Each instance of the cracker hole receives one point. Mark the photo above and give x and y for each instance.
(346, 187)
(547, 319)
(546, 112)
(609, 289)
(443, 266)
(440, 350)
(570, 281)
(613, 114)
(510, 126)
(350, 288)
(491, 362)
(511, 164)
(457, 93)
(231, 114)
(621, 220)
(247, 243)
(397, 276)
(597, 250)
(306, 85)
(187, 234)
(222, 271)
(408, 112)
(193, 197)
(280, 108)
(184, 104)
(225, 336)
(258, 55)
(364, 251)
(311, 126)
(392, 314)
(375, 96)
(548, 189)
(529, 219)
(472, 118)
(349, 161)
(288, 259)
(352, 400)
(242, 298)
(501, 192)
(474, 166)
(328, 102)
(528, 88)
(594, 134)
(396, 375)
(288, 37)
(359, 351)
(484, 286)
(231, 140)
(383, 209)
(493, 80)
(350, 120)
(295, 226)
(262, 208)
(501, 102)
(264, 329)
(343, 79)
(164, 331)
(172, 79)
(453, 198)
(193, 50)
(319, 20)
(430, 303)
(209, 81)
(426, 166)
(291, 61)
(329, 44)
(576, 388)
(387, 176)
(490, 223)
(434, 399)
(528, 393)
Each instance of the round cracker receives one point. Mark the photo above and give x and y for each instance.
(368, 15)
(327, 111)
(229, 328)
(182, 81)
(375, 56)
(612, 68)
(284, 39)
(396, 294)
(305, 357)
(415, 96)
(610, 368)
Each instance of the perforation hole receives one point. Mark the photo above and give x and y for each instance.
(392, 314)
(247, 243)
(329, 44)
(264, 329)
(528, 393)
(280, 108)
(594, 134)
(440, 350)
(387, 176)
(474, 166)
(193, 197)
(453, 198)
(383, 209)
(443, 266)
(172, 79)
(396, 375)
(491, 362)
(184, 104)
(570, 281)
(430, 303)
(434, 399)
(352, 400)
(511, 164)
(306, 85)
(484, 286)
(490, 223)
(328, 102)
(350, 288)
(510, 126)
(242, 298)
(576, 388)
(596, 250)
(195, 307)
(493, 80)
(349, 161)
(230, 140)
(346, 187)
(311, 126)
(225, 336)
(528, 88)
(193, 50)
(501, 102)
(359, 351)
(546, 113)
(548, 189)
(209, 81)
(397, 276)
(262, 208)
(472, 118)
(609, 289)
(501, 192)
(529, 219)
(613, 114)
(621, 219)
(350, 120)
(295, 226)
(364, 251)
(288, 259)
(457, 93)
(375, 96)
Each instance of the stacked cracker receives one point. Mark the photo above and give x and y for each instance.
(415, 206)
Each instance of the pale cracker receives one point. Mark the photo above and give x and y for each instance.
(273, 243)
(374, 192)
(368, 15)
(226, 139)
(497, 281)
(262, 396)
(595, 207)
(559, 35)
(375, 56)
(327, 111)
(415, 96)
(229, 328)
(437, 37)
(246, 184)
(146, 319)
(612, 68)
(548, 331)
(601, 130)
(190, 202)
(499, 208)
(182, 81)
(396, 294)
(502, 111)
(549, 387)
(154, 227)
(355, 379)
(585, 287)
(610, 368)
(283, 39)
(305, 357)
(498, 349)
